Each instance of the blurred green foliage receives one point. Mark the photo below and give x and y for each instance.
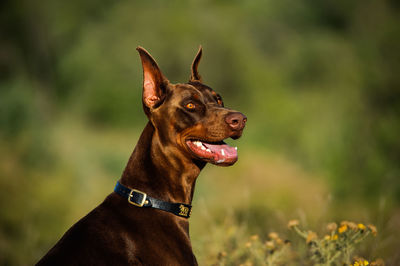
(318, 80)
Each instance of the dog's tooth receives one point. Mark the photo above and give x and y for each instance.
(197, 143)
(203, 148)
(223, 152)
(208, 150)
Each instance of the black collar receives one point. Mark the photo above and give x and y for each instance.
(141, 199)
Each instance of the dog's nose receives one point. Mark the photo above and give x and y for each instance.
(236, 121)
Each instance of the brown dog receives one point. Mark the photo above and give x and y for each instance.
(145, 220)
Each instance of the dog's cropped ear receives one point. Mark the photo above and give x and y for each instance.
(154, 82)
(195, 74)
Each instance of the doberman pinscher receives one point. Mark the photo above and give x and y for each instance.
(144, 221)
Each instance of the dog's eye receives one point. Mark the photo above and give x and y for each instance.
(190, 106)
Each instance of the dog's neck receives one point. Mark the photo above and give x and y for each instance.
(161, 171)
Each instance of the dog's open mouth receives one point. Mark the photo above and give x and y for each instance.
(214, 152)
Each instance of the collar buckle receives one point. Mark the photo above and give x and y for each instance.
(142, 202)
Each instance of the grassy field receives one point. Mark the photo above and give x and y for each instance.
(256, 196)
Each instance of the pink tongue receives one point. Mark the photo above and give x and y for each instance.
(223, 151)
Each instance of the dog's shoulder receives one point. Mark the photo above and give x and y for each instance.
(96, 239)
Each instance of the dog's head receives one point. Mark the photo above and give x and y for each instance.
(190, 116)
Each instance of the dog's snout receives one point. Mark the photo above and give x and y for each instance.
(236, 121)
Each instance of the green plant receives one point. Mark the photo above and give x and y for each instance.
(338, 246)
(255, 251)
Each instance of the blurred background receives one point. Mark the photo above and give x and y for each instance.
(318, 80)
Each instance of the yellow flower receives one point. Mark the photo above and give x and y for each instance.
(269, 245)
(342, 229)
(293, 223)
(328, 237)
(378, 262)
(311, 236)
(248, 244)
(273, 235)
(331, 227)
(254, 237)
(364, 262)
(344, 223)
(352, 226)
(361, 226)
(373, 229)
(360, 262)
